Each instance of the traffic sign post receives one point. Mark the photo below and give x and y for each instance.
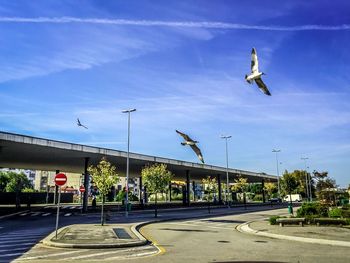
(60, 179)
(82, 190)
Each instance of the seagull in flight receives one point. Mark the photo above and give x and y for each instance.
(256, 75)
(192, 144)
(81, 125)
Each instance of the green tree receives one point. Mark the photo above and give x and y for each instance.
(156, 178)
(16, 183)
(288, 184)
(210, 188)
(104, 176)
(325, 187)
(241, 186)
(270, 188)
(4, 179)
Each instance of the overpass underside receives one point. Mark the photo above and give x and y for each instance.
(26, 152)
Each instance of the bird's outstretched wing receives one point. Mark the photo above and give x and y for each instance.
(254, 64)
(79, 124)
(262, 86)
(198, 152)
(185, 136)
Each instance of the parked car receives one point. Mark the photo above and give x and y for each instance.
(275, 200)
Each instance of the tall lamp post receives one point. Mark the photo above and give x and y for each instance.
(278, 175)
(306, 179)
(227, 182)
(127, 163)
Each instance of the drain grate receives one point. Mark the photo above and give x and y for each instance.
(121, 233)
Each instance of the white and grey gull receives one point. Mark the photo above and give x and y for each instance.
(192, 144)
(255, 75)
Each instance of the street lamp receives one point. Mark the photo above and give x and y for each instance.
(127, 163)
(226, 195)
(306, 181)
(278, 176)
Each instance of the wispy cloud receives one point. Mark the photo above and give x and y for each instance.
(190, 24)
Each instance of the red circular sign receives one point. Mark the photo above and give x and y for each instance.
(82, 189)
(60, 179)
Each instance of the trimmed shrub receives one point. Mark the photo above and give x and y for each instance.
(273, 219)
(335, 213)
(310, 210)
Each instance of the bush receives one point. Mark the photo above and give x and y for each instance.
(258, 197)
(310, 210)
(335, 212)
(273, 219)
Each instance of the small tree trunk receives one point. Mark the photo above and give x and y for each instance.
(244, 201)
(155, 210)
(209, 203)
(102, 217)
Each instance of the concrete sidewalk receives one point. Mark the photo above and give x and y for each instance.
(96, 236)
(325, 235)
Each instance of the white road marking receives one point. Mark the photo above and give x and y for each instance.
(46, 214)
(72, 207)
(99, 254)
(52, 255)
(21, 244)
(201, 225)
(10, 255)
(12, 249)
(68, 214)
(35, 214)
(18, 240)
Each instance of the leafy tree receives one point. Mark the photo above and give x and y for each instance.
(104, 176)
(4, 179)
(210, 187)
(270, 188)
(156, 178)
(241, 186)
(325, 187)
(288, 184)
(16, 183)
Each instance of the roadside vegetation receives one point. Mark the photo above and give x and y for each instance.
(330, 206)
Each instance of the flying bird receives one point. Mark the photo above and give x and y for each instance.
(255, 75)
(192, 144)
(79, 124)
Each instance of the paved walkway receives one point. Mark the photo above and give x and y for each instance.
(326, 235)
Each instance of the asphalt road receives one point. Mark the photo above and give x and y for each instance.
(216, 240)
(211, 239)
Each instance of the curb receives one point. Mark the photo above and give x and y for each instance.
(245, 228)
(48, 241)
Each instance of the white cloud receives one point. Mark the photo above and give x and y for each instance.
(152, 23)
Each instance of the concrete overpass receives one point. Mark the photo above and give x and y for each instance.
(27, 152)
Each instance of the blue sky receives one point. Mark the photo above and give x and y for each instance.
(181, 64)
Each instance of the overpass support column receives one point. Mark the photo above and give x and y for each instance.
(187, 187)
(86, 185)
(170, 191)
(194, 190)
(219, 188)
(140, 190)
(263, 190)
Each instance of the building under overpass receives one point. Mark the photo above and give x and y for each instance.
(27, 152)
